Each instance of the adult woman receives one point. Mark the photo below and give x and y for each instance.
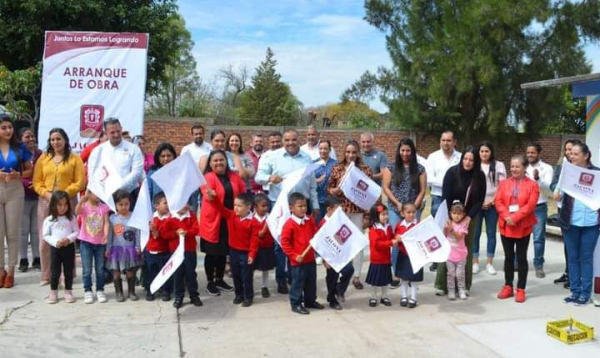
(213, 227)
(515, 202)
(29, 230)
(355, 214)
(57, 169)
(246, 166)
(15, 164)
(323, 173)
(217, 140)
(404, 181)
(464, 182)
(494, 172)
(148, 156)
(581, 229)
(163, 155)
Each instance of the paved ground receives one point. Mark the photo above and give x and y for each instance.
(481, 326)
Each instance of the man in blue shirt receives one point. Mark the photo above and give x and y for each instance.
(373, 158)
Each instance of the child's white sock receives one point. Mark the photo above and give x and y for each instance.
(265, 279)
(384, 290)
(374, 292)
(404, 289)
(413, 291)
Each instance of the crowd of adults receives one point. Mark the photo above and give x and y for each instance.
(515, 201)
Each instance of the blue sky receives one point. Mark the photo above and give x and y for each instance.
(321, 46)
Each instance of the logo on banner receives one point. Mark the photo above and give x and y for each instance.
(586, 179)
(343, 234)
(362, 185)
(91, 118)
(167, 267)
(433, 244)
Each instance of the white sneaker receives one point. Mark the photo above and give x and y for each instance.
(319, 260)
(101, 297)
(490, 269)
(462, 294)
(88, 297)
(475, 269)
(451, 295)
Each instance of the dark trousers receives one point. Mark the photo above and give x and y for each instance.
(186, 274)
(509, 245)
(214, 266)
(62, 259)
(304, 284)
(153, 264)
(333, 286)
(243, 274)
(283, 271)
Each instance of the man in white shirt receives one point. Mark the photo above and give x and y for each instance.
(438, 164)
(312, 144)
(541, 173)
(198, 147)
(274, 142)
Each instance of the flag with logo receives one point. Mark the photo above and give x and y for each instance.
(581, 183)
(104, 181)
(178, 180)
(339, 240)
(142, 214)
(359, 188)
(426, 243)
(441, 216)
(170, 267)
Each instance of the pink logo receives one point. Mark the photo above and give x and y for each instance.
(167, 267)
(433, 244)
(343, 234)
(90, 119)
(362, 185)
(586, 179)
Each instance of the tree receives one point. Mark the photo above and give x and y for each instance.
(350, 114)
(269, 101)
(459, 64)
(19, 89)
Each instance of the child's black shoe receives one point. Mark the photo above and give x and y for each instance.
(196, 301)
(237, 300)
(149, 296)
(300, 310)
(165, 296)
(247, 303)
(372, 302)
(386, 302)
(178, 302)
(265, 292)
(403, 302)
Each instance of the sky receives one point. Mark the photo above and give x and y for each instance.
(321, 46)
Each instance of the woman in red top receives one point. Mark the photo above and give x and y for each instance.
(515, 202)
(213, 227)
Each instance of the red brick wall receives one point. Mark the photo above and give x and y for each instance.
(177, 132)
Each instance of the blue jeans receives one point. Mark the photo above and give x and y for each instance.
(243, 274)
(581, 242)
(539, 235)
(304, 284)
(491, 221)
(394, 219)
(436, 201)
(90, 252)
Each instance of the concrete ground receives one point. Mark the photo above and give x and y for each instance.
(480, 326)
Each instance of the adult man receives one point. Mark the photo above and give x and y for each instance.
(374, 158)
(124, 156)
(312, 144)
(541, 173)
(198, 147)
(272, 170)
(274, 142)
(438, 164)
(254, 153)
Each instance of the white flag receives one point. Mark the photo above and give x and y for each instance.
(178, 180)
(104, 181)
(426, 243)
(339, 240)
(359, 188)
(170, 267)
(441, 216)
(142, 214)
(581, 183)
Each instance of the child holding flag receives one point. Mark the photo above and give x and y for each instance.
(381, 240)
(265, 258)
(156, 253)
(404, 269)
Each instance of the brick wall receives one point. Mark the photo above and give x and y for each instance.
(177, 132)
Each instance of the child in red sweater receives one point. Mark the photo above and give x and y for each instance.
(296, 234)
(265, 259)
(156, 253)
(381, 240)
(403, 267)
(183, 222)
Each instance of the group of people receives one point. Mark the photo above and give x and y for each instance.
(39, 206)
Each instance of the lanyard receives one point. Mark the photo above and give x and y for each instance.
(516, 190)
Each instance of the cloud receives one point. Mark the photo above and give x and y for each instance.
(340, 26)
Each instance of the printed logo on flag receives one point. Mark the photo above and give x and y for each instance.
(167, 267)
(343, 234)
(362, 185)
(90, 118)
(586, 179)
(433, 244)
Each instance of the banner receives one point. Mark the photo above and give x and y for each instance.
(441, 216)
(142, 214)
(170, 267)
(581, 183)
(426, 243)
(339, 240)
(359, 188)
(88, 77)
(178, 180)
(104, 181)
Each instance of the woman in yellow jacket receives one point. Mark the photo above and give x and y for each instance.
(57, 169)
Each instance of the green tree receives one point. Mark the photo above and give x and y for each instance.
(19, 90)
(459, 64)
(269, 101)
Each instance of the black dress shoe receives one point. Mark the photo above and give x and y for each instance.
(283, 289)
(247, 303)
(149, 297)
(36, 264)
(386, 302)
(335, 305)
(315, 305)
(265, 292)
(237, 300)
(196, 301)
(178, 302)
(23, 265)
(300, 310)
(165, 296)
(562, 279)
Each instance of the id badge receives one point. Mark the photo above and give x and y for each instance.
(513, 208)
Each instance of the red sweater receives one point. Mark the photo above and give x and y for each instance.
(295, 238)
(157, 244)
(380, 242)
(266, 241)
(168, 231)
(401, 230)
(524, 218)
(243, 234)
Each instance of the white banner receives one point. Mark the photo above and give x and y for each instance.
(178, 180)
(104, 181)
(426, 243)
(170, 267)
(581, 183)
(359, 188)
(88, 77)
(441, 216)
(142, 214)
(339, 240)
